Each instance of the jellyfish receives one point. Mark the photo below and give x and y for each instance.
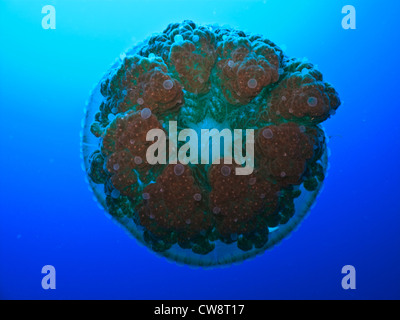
(204, 77)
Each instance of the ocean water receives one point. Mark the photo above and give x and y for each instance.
(47, 212)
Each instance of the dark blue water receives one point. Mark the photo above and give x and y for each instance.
(47, 215)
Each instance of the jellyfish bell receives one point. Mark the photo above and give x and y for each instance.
(204, 214)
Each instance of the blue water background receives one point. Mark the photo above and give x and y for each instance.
(47, 215)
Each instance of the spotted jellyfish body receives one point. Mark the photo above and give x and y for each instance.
(202, 76)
